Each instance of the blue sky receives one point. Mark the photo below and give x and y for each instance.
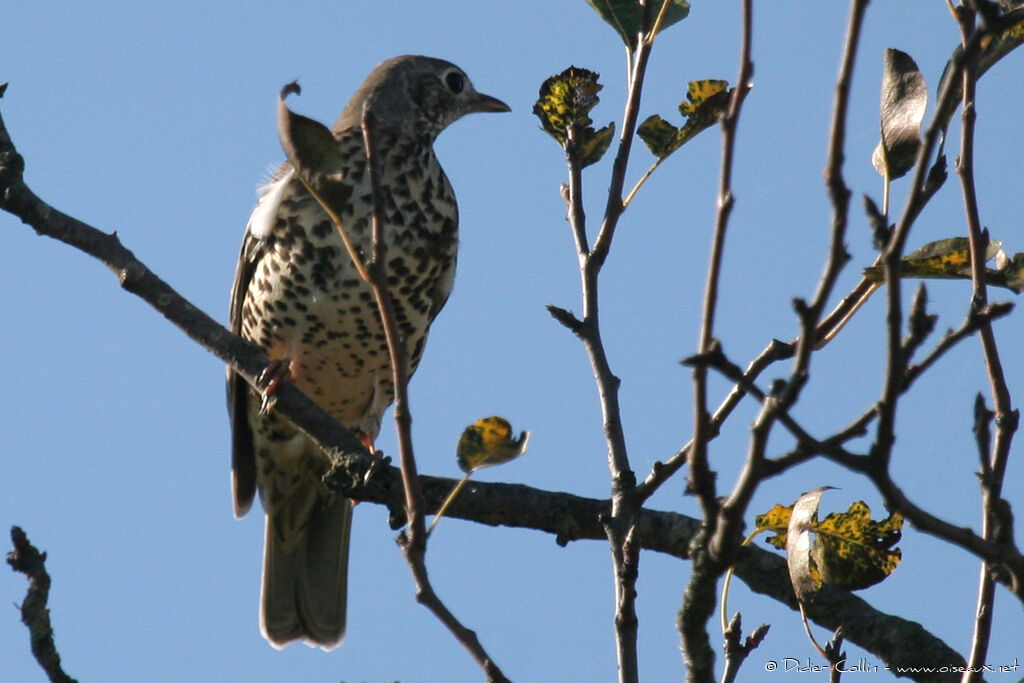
(157, 121)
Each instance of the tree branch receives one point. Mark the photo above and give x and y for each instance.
(619, 523)
(26, 559)
(993, 467)
(699, 596)
(245, 358)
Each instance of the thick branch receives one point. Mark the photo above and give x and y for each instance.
(569, 518)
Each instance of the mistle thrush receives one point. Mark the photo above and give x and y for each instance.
(298, 295)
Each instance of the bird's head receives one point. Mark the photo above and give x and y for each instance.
(414, 96)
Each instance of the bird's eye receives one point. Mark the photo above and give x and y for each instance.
(455, 82)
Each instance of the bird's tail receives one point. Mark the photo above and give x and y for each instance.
(305, 572)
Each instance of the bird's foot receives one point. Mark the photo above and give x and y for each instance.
(379, 460)
(270, 380)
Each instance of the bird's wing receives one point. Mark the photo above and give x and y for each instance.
(243, 456)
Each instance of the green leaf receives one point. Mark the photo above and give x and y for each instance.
(904, 99)
(948, 258)
(626, 16)
(597, 144)
(566, 99)
(659, 135)
(706, 102)
(565, 102)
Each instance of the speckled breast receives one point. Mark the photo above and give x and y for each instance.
(306, 301)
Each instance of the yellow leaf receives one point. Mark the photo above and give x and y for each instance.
(699, 92)
(596, 143)
(853, 551)
(777, 520)
(489, 441)
(706, 102)
(566, 99)
(948, 258)
(565, 102)
(850, 550)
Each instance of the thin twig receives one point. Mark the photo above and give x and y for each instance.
(26, 559)
(643, 179)
(413, 542)
(701, 479)
(619, 522)
(698, 607)
(1002, 553)
(897, 369)
(773, 409)
(397, 353)
(994, 465)
(838, 192)
(663, 471)
(893, 253)
(836, 656)
(736, 651)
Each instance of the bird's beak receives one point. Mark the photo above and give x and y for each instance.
(485, 103)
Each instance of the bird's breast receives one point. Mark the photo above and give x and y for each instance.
(306, 301)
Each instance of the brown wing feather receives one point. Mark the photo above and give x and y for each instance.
(243, 456)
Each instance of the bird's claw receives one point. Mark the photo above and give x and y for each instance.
(270, 380)
(379, 462)
(379, 459)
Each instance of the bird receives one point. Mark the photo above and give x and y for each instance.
(298, 295)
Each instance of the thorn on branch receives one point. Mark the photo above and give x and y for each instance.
(712, 358)
(1008, 422)
(566, 318)
(978, 317)
(130, 275)
(992, 311)
(1002, 514)
(800, 306)
(563, 192)
(881, 231)
(937, 175)
(836, 657)
(920, 324)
